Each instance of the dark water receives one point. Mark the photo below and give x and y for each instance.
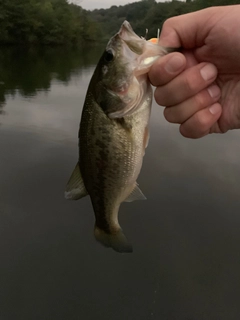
(186, 239)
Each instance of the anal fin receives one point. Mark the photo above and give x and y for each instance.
(136, 194)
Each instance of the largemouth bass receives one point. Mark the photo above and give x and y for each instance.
(114, 132)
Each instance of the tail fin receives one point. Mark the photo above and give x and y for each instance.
(116, 240)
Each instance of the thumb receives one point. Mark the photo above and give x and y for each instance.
(188, 30)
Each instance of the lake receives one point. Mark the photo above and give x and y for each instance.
(186, 240)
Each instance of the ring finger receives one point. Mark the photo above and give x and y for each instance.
(183, 111)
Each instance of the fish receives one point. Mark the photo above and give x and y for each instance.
(114, 133)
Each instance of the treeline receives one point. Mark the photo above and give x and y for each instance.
(51, 22)
(30, 70)
(148, 14)
(45, 22)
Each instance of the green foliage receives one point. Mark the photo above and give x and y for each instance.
(45, 22)
(148, 14)
(49, 22)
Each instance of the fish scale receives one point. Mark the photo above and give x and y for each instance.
(113, 133)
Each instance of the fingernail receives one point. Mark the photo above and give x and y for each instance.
(174, 64)
(215, 108)
(208, 72)
(214, 91)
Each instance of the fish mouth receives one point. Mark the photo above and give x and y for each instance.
(130, 88)
(140, 52)
(126, 30)
(130, 38)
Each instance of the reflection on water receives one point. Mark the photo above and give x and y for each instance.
(186, 236)
(28, 71)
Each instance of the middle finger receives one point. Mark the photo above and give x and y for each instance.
(185, 85)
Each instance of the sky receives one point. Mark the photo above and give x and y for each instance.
(98, 4)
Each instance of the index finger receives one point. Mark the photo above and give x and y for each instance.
(189, 30)
(166, 68)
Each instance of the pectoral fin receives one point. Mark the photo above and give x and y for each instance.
(146, 138)
(136, 194)
(75, 188)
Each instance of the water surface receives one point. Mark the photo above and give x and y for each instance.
(186, 238)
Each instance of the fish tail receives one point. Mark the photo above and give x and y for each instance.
(116, 240)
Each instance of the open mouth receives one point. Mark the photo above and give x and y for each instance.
(133, 41)
(126, 31)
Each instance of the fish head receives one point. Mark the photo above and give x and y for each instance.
(120, 78)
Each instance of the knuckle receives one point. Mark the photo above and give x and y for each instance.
(202, 121)
(168, 23)
(197, 126)
(154, 74)
(158, 95)
(191, 133)
(190, 82)
(200, 100)
(173, 115)
(168, 115)
(184, 133)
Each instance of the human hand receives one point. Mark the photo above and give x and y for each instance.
(200, 86)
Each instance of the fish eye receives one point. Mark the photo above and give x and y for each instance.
(108, 55)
